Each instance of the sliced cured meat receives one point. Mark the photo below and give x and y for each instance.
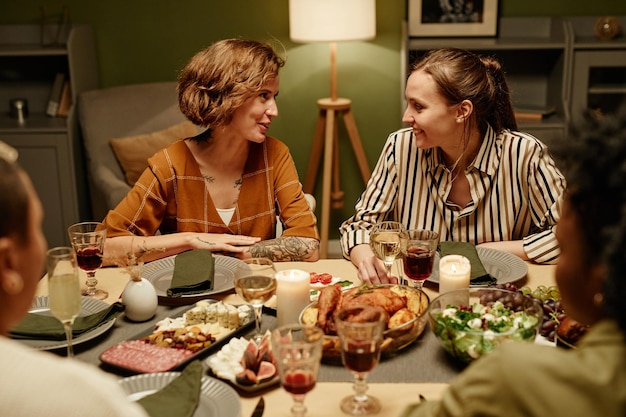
(139, 356)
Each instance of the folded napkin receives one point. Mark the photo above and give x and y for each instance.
(479, 275)
(38, 326)
(178, 398)
(193, 273)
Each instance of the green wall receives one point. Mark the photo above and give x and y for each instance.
(150, 40)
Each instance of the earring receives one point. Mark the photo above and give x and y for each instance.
(459, 120)
(13, 284)
(598, 299)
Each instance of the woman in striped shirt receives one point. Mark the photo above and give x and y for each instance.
(461, 168)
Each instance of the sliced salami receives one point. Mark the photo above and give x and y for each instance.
(140, 356)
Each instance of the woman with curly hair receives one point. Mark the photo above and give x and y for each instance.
(519, 379)
(223, 189)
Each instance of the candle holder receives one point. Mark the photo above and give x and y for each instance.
(454, 273)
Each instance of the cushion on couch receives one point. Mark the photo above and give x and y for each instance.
(132, 152)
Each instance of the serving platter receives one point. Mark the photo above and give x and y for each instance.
(216, 397)
(160, 273)
(503, 266)
(89, 306)
(146, 365)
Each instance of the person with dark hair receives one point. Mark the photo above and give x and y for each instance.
(520, 379)
(223, 189)
(37, 383)
(461, 169)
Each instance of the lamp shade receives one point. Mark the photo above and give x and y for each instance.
(332, 20)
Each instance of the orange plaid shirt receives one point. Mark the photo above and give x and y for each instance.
(171, 196)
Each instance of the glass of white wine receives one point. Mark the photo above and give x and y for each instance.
(255, 282)
(64, 296)
(385, 241)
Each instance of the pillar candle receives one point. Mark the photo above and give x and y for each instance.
(293, 293)
(454, 273)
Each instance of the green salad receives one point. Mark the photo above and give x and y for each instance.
(468, 332)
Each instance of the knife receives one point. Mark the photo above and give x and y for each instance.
(260, 407)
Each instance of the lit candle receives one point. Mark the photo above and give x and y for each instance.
(454, 273)
(293, 293)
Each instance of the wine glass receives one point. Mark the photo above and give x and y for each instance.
(418, 249)
(255, 282)
(385, 242)
(63, 289)
(87, 239)
(360, 330)
(298, 351)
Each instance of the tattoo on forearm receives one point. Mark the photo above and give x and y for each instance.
(290, 248)
(205, 241)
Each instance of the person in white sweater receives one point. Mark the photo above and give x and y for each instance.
(35, 383)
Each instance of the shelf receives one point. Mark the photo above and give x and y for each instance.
(34, 123)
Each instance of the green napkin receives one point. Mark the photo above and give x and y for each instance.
(193, 273)
(479, 275)
(38, 326)
(178, 398)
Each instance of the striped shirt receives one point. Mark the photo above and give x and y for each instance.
(516, 193)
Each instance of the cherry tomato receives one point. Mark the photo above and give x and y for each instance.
(326, 278)
(314, 277)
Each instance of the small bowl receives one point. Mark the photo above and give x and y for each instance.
(394, 339)
(467, 344)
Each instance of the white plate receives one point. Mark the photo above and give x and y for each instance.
(216, 397)
(89, 306)
(503, 266)
(160, 272)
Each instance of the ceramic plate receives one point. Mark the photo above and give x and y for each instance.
(503, 266)
(216, 397)
(89, 306)
(160, 272)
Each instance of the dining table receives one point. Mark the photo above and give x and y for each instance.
(421, 369)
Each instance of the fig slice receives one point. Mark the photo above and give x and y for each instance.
(267, 370)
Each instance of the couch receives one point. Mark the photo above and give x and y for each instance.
(120, 112)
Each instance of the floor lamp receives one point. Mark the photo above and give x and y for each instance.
(332, 21)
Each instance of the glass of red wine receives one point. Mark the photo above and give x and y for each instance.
(418, 249)
(87, 239)
(298, 352)
(360, 330)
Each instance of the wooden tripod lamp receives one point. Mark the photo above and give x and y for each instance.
(332, 21)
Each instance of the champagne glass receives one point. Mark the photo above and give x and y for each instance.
(255, 282)
(360, 330)
(64, 289)
(87, 239)
(298, 351)
(418, 249)
(385, 242)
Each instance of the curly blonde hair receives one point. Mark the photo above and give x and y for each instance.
(220, 78)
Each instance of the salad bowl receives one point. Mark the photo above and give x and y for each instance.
(472, 322)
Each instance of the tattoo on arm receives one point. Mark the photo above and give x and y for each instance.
(205, 241)
(291, 248)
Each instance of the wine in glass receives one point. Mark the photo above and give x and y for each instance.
(418, 254)
(64, 289)
(298, 351)
(87, 239)
(385, 240)
(360, 330)
(255, 282)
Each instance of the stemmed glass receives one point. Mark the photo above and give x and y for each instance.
(360, 331)
(385, 242)
(298, 351)
(418, 249)
(87, 239)
(255, 282)
(64, 289)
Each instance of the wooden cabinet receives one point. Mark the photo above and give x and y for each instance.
(552, 64)
(49, 147)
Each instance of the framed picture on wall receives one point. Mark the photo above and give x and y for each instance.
(446, 18)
